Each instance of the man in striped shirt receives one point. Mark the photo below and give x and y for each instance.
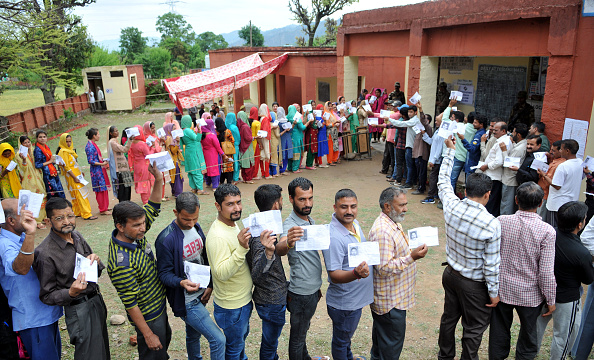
(471, 279)
(133, 272)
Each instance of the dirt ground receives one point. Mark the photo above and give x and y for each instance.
(362, 177)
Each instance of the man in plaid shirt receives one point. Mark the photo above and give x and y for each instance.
(394, 277)
(527, 277)
(471, 279)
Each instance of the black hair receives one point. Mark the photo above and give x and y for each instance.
(225, 190)
(571, 145)
(23, 138)
(459, 115)
(557, 144)
(496, 119)
(266, 195)
(299, 182)
(124, 134)
(477, 185)
(275, 103)
(39, 132)
(341, 97)
(220, 127)
(126, 210)
(529, 195)
(428, 117)
(413, 108)
(471, 116)
(91, 132)
(570, 215)
(187, 201)
(365, 91)
(539, 126)
(482, 119)
(522, 129)
(344, 193)
(56, 203)
(533, 136)
(404, 112)
(111, 128)
(504, 126)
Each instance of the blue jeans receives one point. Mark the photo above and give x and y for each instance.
(411, 175)
(344, 324)
(235, 323)
(273, 320)
(585, 337)
(198, 322)
(456, 170)
(43, 342)
(287, 150)
(395, 162)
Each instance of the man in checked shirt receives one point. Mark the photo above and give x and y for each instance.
(471, 279)
(527, 278)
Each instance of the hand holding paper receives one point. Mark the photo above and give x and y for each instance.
(31, 200)
(415, 98)
(365, 251)
(266, 220)
(315, 237)
(196, 273)
(423, 235)
(82, 264)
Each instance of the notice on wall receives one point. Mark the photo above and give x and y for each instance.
(457, 63)
(578, 131)
(497, 89)
(468, 94)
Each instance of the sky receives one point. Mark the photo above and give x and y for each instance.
(106, 18)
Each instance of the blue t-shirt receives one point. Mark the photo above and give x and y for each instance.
(22, 291)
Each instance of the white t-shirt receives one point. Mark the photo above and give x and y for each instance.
(91, 97)
(569, 176)
(193, 246)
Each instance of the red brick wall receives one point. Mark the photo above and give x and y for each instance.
(31, 119)
(139, 97)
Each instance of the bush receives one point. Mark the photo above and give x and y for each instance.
(155, 91)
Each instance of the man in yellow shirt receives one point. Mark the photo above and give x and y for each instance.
(226, 248)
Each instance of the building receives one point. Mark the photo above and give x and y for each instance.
(122, 85)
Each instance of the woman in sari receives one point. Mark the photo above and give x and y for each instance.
(376, 107)
(354, 124)
(332, 128)
(194, 158)
(172, 146)
(227, 143)
(31, 178)
(10, 182)
(265, 125)
(99, 177)
(311, 140)
(286, 144)
(45, 160)
(246, 149)
(143, 180)
(119, 170)
(212, 150)
(322, 139)
(255, 125)
(231, 124)
(298, 129)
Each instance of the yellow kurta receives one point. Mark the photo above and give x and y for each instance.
(176, 156)
(78, 192)
(32, 180)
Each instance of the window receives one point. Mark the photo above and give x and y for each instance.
(118, 73)
(323, 91)
(133, 83)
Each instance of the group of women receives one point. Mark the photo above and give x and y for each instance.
(251, 145)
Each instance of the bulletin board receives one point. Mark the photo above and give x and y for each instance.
(497, 89)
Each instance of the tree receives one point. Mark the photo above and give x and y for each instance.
(310, 19)
(257, 37)
(74, 54)
(196, 57)
(174, 26)
(131, 43)
(210, 41)
(180, 51)
(328, 39)
(156, 62)
(103, 57)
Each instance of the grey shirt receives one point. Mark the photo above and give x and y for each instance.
(306, 266)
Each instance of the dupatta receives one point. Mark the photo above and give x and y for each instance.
(48, 156)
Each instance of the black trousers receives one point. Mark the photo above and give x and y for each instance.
(159, 326)
(401, 170)
(124, 193)
(466, 299)
(388, 160)
(502, 318)
(421, 165)
(87, 328)
(433, 177)
(494, 203)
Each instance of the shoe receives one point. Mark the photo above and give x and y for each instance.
(428, 201)
(310, 168)
(407, 186)
(417, 192)
(389, 176)
(440, 205)
(383, 172)
(390, 179)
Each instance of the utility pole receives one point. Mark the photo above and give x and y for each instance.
(250, 33)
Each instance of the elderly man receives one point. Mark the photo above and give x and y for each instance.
(493, 168)
(55, 264)
(508, 177)
(527, 279)
(33, 319)
(350, 288)
(394, 277)
(471, 279)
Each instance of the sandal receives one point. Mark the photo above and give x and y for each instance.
(105, 213)
(92, 218)
(202, 192)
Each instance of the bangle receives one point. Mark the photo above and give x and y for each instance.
(289, 246)
(357, 275)
(26, 253)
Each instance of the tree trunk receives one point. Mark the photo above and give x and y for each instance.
(48, 91)
(311, 38)
(70, 92)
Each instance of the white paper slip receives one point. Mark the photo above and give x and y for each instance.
(326, 116)
(372, 99)
(454, 108)
(161, 132)
(385, 113)
(177, 133)
(320, 124)
(317, 113)
(539, 165)
(306, 107)
(262, 133)
(511, 161)
(428, 235)
(162, 161)
(198, 274)
(266, 220)
(372, 121)
(456, 95)
(341, 107)
(365, 251)
(82, 180)
(310, 117)
(203, 122)
(82, 264)
(24, 150)
(59, 160)
(461, 128)
(286, 125)
(588, 163)
(150, 140)
(585, 192)
(353, 110)
(342, 119)
(133, 131)
(478, 166)
(415, 98)
(541, 156)
(367, 107)
(11, 166)
(418, 128)
(315, 237)
(31, 200)
(446, 129)
(2, 217)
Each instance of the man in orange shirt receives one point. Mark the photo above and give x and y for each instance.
(556, 160)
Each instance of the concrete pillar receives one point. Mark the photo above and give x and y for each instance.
(589, 150)
(428, 83)
(351, 77)
(406, 75)
(554, 109)
(254, 93)
(270, 90)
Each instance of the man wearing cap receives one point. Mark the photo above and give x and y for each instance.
(522, 112)
(443, 98)
(397, 95)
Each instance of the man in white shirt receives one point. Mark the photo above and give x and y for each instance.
(566, 183)
(91, 95)
(493, 167)
(101, 99)
(508, 179)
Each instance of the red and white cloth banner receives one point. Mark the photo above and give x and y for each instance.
(195, 89)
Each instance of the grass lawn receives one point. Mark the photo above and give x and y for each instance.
(14, 101)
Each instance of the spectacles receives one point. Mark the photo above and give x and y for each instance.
(61, 218)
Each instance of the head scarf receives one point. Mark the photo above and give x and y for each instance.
(65, 147)
(206, 115)
(13, 177)
(266, 119)
(186, 121)
(245, 131)
(231, 124)
(320, 107)
(280, 114)
(291, 113)
(48, 155)
(253, 113)
(140, 137)
(328, 110)
(221, 128)
(147, 129)
(168, 119)
(210, 126)
(168, 128)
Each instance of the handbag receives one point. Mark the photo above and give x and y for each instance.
(228, 147)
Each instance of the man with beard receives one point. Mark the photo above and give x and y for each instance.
(54, 264)
(394, 277)
(226, 248)
(306, 268)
